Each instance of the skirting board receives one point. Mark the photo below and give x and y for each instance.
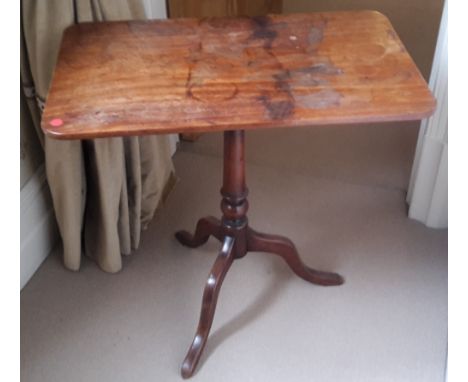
(38, 232)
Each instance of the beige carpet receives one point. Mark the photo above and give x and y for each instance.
(346, 212)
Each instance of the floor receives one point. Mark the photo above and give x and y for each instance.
(339, 193)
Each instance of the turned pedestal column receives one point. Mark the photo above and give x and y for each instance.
(237, 239)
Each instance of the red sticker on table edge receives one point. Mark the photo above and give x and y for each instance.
(56, 122)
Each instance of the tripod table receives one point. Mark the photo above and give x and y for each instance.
(232, 74)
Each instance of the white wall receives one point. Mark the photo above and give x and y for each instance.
(38, 229)
(155, 9)
(428, 189)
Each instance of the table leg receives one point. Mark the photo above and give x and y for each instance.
(210, 297)
(238, 239)
(206, 227)
(285, 248)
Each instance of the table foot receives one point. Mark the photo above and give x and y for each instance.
(285, 248)
(206, 227)
(210, 297)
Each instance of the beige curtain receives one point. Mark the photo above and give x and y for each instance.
(105, 190)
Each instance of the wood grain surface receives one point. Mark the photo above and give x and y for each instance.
(220, 8)
(214, 74)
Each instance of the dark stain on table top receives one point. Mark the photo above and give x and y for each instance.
(214, 74)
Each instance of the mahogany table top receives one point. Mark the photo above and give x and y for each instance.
(214, 74)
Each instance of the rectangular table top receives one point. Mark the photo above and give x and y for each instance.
(213, 74)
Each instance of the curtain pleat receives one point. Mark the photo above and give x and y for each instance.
(106, 190)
